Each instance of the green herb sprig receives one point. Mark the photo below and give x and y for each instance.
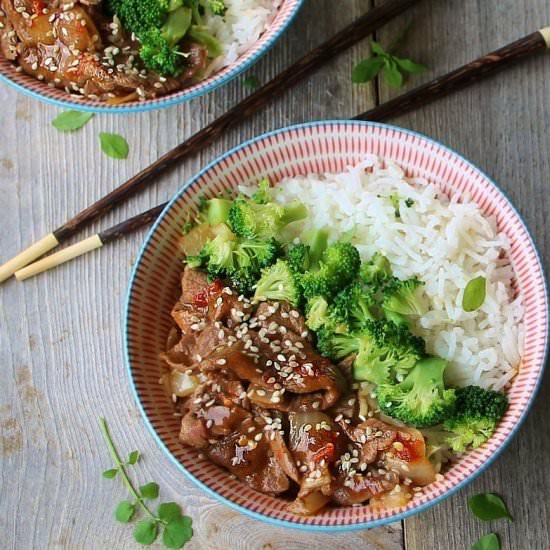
(176, 528)
(251, 82)
(488, 506)
(394, 69)
(113, 145)
(68, 121)
(487, 542)
(474, 294)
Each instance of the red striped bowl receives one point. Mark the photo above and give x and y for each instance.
(40, 90)
(321, 147)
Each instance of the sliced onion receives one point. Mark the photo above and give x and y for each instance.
(183, 384)
(399, 496)
(310, 504)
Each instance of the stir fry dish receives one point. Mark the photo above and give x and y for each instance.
(122, 50)
(293, 364)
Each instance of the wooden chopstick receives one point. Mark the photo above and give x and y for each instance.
(90, 243)
(455, 80)
(341, 41)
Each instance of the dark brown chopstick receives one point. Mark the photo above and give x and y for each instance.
(431, 91)
(341, 41)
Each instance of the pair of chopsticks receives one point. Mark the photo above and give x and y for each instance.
(363, 26)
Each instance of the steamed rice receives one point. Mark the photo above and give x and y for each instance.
(445, 242)
(240, 28)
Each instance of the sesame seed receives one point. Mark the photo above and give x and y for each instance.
(316, 404)
(258, 437)
(221, 361)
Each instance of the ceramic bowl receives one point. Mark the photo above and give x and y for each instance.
(316, 148)
(40, 90)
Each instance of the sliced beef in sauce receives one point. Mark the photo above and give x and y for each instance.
(266, 404)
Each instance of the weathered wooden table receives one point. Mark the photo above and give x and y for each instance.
(60, 334)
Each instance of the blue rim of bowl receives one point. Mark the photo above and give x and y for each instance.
(162, 104)
(367, 524)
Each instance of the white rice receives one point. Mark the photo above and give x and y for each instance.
(240, 28)
(443, 241)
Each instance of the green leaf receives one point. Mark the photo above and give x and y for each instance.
(168, 511)
(68, 121)
(392, 75)
(410, 66)
(133, 457)
(488, 506)
(377, 48)
(251, 82)
(124, 511)
(110, 474)
(177, 532)
(474, 294)
(366, 70)
(487, 542)
(113, 145)
(146, 532)
(150, 490)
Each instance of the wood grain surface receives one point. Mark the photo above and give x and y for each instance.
(60, 333)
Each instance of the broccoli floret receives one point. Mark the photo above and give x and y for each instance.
(403, 297)
(278, 282)
(421, 400)
(217, 255)
(376, 270)
(316, 312)
(249, 219)
(476, 401)
(475, 417)
(217, 7)
(352, 306)
(338, 267)
(388, 351)
(263, 194)
(159, 25)
(257, 252)
(462, 434)
(238, 260)
(158, 55)
(298, 257)
(139, 16)
(334, 345)
(383, 350)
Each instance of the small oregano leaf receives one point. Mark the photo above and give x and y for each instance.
(68, 121)
(133, 457)
(168, 511)
(392, 75)
(110, 474)
(251, 82)
(146, 532)
(488, 506)
(124, 511)
(474, 294)
(177, 532)
(377, 48)
(149, 490)
(487, 542)
(366, 70)
(113, 145)
(410, 66)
